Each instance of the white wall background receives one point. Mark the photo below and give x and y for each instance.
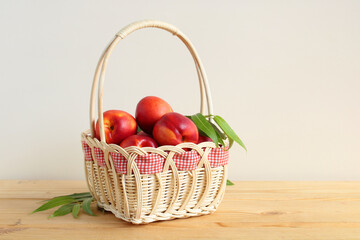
(285, 74)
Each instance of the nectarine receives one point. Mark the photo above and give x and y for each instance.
(204, 139)
(149, 110)
(118, 125)
(174, 128)
(139, 141)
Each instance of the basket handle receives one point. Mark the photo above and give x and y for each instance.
(99, 75)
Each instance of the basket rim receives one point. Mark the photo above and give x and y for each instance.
(179, 148)
(168, 152)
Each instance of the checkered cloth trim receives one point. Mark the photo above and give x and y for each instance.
(99, 155)
(154, 163)
(187, 160)
(150, 163)
(147, 164)
(218, 157)
(120, 162)
(87, 152)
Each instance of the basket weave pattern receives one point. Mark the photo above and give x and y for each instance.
(161, 196)
(120, 179)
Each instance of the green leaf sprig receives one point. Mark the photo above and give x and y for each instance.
(229, 183)
(69, 204)
(205, 127)
(216, 128)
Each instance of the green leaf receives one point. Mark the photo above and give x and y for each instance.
(87, 206)
(204, 126)
(138, 129)
(228, 130)
(71, 203)
(216, 128)
(219, 134)
(75, 210)
(63, 210)
(231, 142)
(229, 183)
(81, 199)
(54, 203)
(203, 134)
(81, 195)
(220, 139)
(76, 196)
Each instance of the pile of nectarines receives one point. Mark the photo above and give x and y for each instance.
(158, 123)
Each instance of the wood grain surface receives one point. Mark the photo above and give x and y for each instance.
(250, 210)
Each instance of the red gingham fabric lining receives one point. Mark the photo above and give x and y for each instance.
(99, 155)
(120, 162)
(87, 152)
(150, 163)
(154, 163)
(218, 157)
(187, 160)
(147, 164)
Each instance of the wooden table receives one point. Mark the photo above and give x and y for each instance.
(250, 210)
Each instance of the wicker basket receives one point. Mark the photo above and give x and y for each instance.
(168, 192)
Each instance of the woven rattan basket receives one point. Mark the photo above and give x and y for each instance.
(166, 194)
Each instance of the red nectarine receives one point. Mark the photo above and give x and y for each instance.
(118, 125)
(204, 139)
(149, 110)
(139, 141)
(174, 128)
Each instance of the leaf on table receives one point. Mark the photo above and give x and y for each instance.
(76, 210)
(76, 196)
(57, 201)
(63, 210)
(229, 183)
(81, 195)
(87, 206)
